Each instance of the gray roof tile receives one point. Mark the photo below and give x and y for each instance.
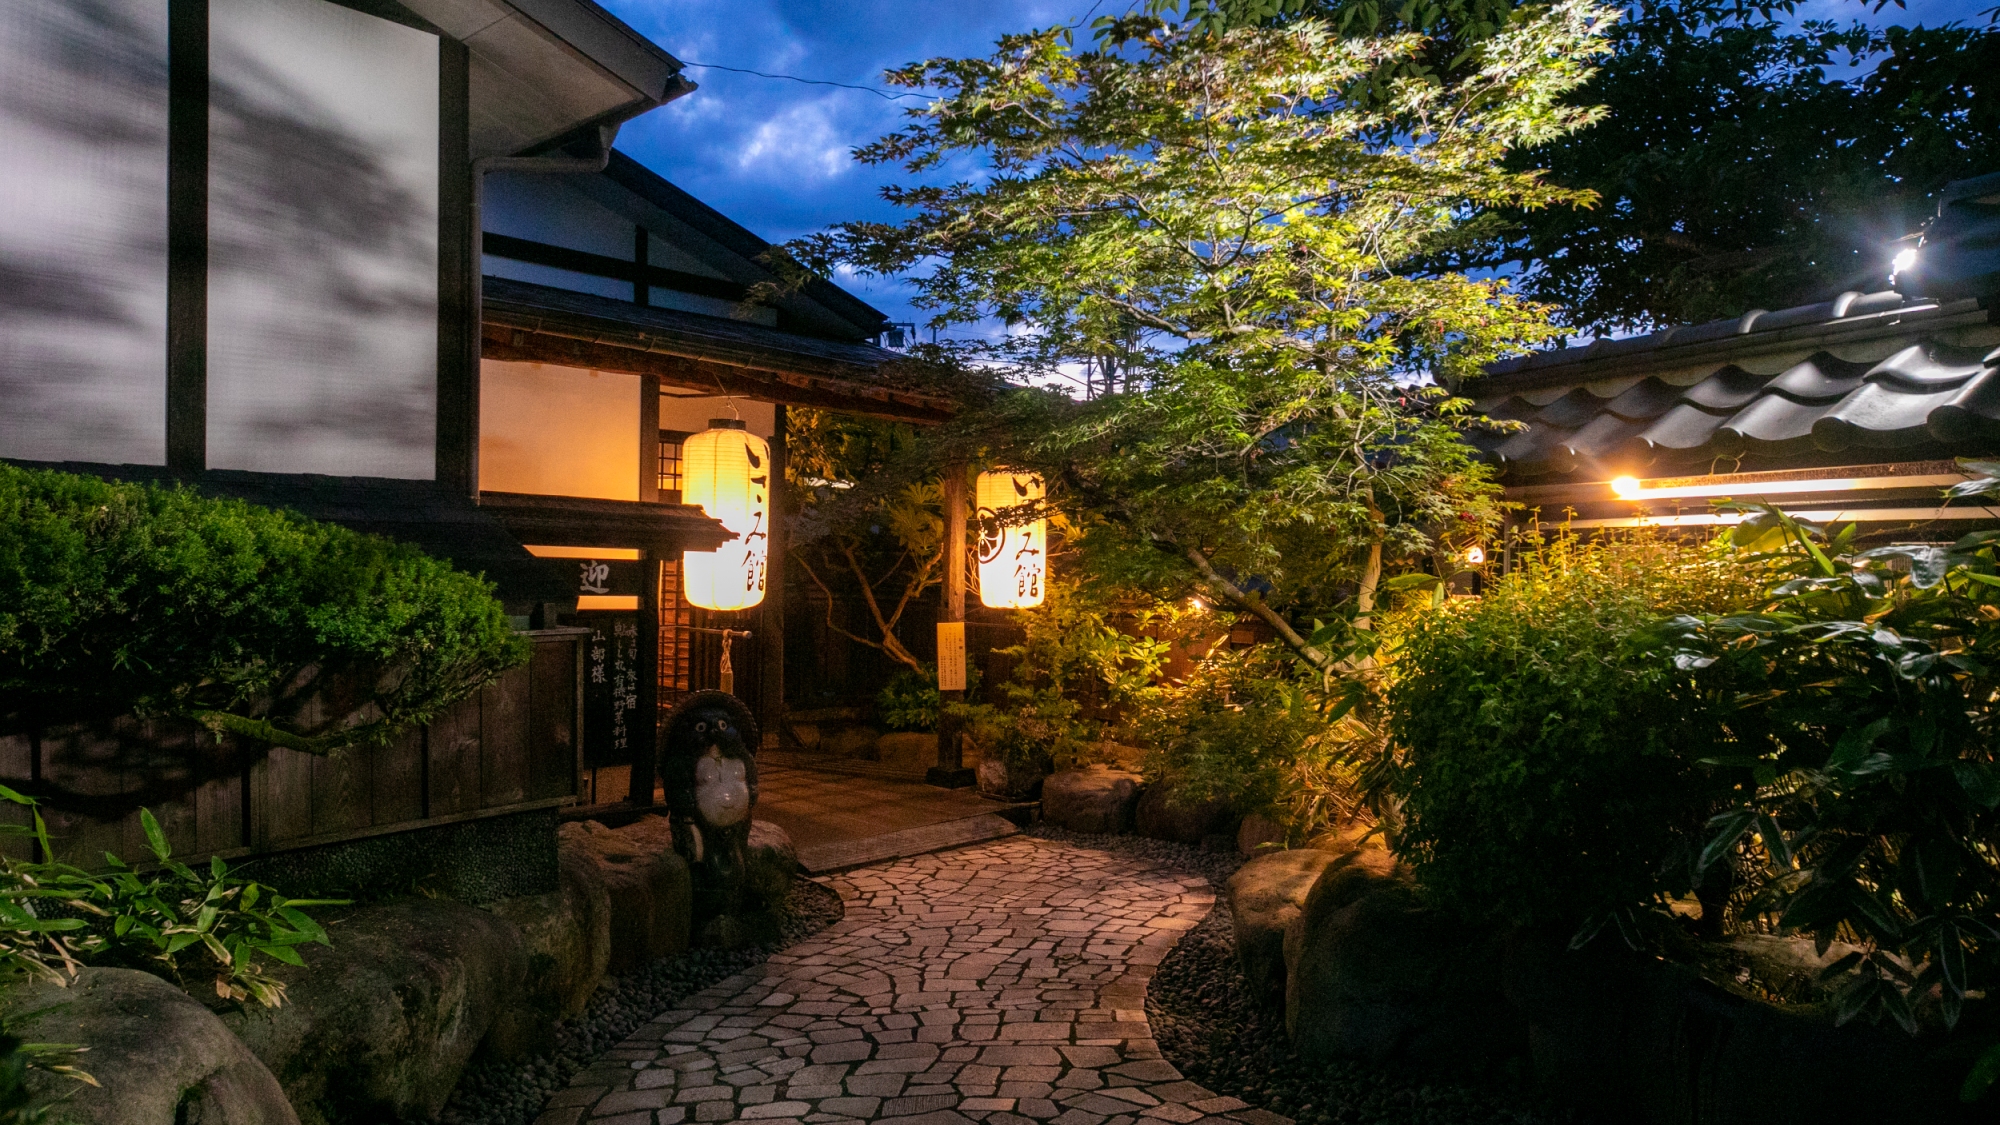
(1819, 382)
(1677, 399)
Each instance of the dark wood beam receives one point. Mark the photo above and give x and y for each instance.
(187, 236)
(639, 273)
(504, 342)
(457, 466)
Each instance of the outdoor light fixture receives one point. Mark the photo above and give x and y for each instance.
(1629, 488)
(1013, 559)
(1626, 488)
(725, 470)
(1475, 555)
(1904, 259)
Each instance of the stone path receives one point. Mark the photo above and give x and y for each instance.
(1003, 984)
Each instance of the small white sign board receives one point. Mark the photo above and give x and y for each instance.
(951, 655)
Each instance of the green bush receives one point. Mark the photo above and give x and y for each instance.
(1542, 769)
(911, 699)
(1860, 713)
(1076, 672)
(124, 598)
(200, 930)
(1250, 727)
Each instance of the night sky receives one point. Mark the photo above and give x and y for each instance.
(775, 155)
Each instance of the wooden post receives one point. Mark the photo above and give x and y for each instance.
(646, 717)
(950, 771)
(772, 617)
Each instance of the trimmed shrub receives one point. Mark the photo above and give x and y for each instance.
(1546, 773)
(134, 599)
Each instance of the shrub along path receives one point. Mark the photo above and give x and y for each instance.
(1003, 984)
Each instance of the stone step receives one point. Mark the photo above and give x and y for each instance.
(844, 855)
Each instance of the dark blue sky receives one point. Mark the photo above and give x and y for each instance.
(775, 155)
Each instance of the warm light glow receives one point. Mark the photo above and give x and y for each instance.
(1629, 488)
(725, 470)
(1013, 560)
(606, 601)
(626, 554)
(1904, 259)
(1475, 555)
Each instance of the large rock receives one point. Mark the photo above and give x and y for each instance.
(849, 742)
(568, 937)
(650, 887)
(1259, 835)
(1631, 1038)
(771, 846)
(1165, 813)
(1265, 895)
(1372, 974)
(1091, 800)
(379, 1026)
(159, 1057)
(907, 749)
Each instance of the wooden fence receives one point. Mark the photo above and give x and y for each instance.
(511, 747)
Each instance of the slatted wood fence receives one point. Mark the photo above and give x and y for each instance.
(511, 747)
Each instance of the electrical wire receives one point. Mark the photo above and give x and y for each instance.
(883, 94)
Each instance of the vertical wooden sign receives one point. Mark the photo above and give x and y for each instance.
(951, 655)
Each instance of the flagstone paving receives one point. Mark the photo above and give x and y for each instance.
(1003, 984)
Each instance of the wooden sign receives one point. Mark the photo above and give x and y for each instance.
(610, 687)
(600, 577)
(951, 655)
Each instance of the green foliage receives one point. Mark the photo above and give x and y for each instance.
(1247, 728)
(911, 700)
(196, 928)
(17, 1058)
(1212, 217)
(1543, 769)
(1085, 661)
(123, 598)
(1860, 724)
(1804, 177)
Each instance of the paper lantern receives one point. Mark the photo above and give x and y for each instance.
(1013, 560)
(725, 469)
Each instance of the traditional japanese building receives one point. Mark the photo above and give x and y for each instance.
(241, 248)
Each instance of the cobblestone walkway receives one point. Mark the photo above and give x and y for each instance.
(1002, 984)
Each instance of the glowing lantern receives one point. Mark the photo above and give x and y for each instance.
(1475, 555)
(725, 469)
(1013, 560)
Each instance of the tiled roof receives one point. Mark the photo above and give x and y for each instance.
(1868, 375)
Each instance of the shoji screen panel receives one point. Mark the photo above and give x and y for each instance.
(83, 230)
(323, 221)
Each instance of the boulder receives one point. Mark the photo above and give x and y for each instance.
(650, 888)
(1628, 1037)
(1372, 974)
(568, 938)
(159, 1057)
(1259, 835)
(1091, 800)
(771, 846)
(380, 1025)
(1265, 895)
(1164, 814)
(807, 734)
(912, 750)
(849, 742)
(1005, 780)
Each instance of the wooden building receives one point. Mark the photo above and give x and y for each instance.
(615, 325)
(240, 248)
(1848, 410)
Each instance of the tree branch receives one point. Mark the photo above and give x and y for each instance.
(1257, 607)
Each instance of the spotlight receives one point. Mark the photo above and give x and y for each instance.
(1626, 488)
(1475, 555)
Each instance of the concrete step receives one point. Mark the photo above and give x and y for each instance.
(845, 855)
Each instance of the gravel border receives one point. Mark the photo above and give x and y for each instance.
(1207, 1026)
(513, 1093)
